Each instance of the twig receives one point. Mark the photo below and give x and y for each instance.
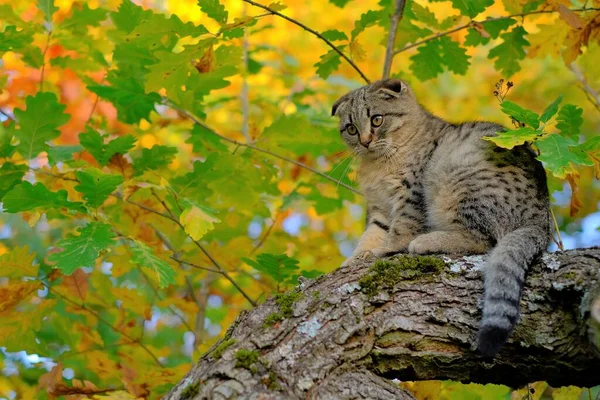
(207, 254)
(438, 35)
(174, 258)
(44, 60)
(105, 322)
(559, 243)
(317, 34)
(589, 91)
(265, 236)
(389, 50)
(245, 96)
(255, 148)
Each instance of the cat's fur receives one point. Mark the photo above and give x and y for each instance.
(435, 187)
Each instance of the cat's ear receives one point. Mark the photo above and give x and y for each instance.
(391, 89)
(337, 104)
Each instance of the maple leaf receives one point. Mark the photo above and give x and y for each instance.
(47, 7)
(197, 219)
(58, 154)
(145, 257)
(471, 7)
(84, 249)
(333, 35)
(551, 110)
(26, 197)
(39, 123)
(93, 142)
(476, 37)
(154, 158)
(329, 63)
(96, 186)
(510, 52)
(521, 114)
(128, 96)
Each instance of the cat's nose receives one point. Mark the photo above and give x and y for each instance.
(367, 142)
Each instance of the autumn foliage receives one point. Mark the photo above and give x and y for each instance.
(168, 164)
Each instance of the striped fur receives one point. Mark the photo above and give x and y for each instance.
(436, 187)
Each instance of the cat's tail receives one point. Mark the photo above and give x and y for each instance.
(504, 277)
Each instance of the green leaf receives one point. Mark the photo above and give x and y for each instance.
(145, 257)
(82, 17)
(328, 63)
(340, 3)
(82, 250)
(47, 7)
(493, 27)
(551, 110)
(204, 141)
(334, 34)
(57, 154)
(96, 186)
(6, 138)
(366, 20)
(557, 155)
(157, 157)
(93, 142)
(277, 134)
(129, 15)
(196, 219)
(214, 10)
(15, 40)
(280, 267)
(26, 197)
(129, 98)
(150, 32)
(10, 176)
(511, 138)
(471, 7)
(520, 114)
(570, 119)
(510, 52)
(39, 123)
(437, 54)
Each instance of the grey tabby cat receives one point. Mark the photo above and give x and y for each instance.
(436, 187)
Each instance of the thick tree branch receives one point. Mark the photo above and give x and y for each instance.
(389, 49)
(317, 34)
(471, 23)
(336, 341)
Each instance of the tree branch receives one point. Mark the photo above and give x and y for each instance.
(419, 324)
(389, 50)
(438, 35)
(255, 148)
(315, 33)
(591, 94)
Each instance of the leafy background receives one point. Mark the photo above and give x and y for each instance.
(167, 164)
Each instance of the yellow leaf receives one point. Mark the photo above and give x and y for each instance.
(18, 263)
(570, 17)
(15, 292)
(197, 221)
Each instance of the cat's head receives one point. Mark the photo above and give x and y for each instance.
(372, 117)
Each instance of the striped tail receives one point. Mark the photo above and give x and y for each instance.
(504, 277)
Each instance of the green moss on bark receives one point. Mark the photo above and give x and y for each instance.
(386, 273)
(224, 345)
(285, 301)
(246, 359)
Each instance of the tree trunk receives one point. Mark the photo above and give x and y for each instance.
(347, 333)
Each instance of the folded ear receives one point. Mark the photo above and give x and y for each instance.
(338, 103)
(391, 89)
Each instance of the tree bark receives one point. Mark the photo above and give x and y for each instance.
(332, 338)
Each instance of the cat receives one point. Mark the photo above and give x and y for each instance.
(436, 187)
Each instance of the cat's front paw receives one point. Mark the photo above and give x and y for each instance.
(424, 244)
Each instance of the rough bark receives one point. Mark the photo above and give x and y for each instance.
(330, 339)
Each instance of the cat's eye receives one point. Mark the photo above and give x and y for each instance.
(351, 129)
(377, 120)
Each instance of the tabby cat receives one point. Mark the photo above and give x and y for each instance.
(436, 187)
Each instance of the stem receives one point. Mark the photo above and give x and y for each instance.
(317, 34)
(389, 50)
(410, 46)
(253, 147)
(559, 243)
(591, 94)
(44, 61)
